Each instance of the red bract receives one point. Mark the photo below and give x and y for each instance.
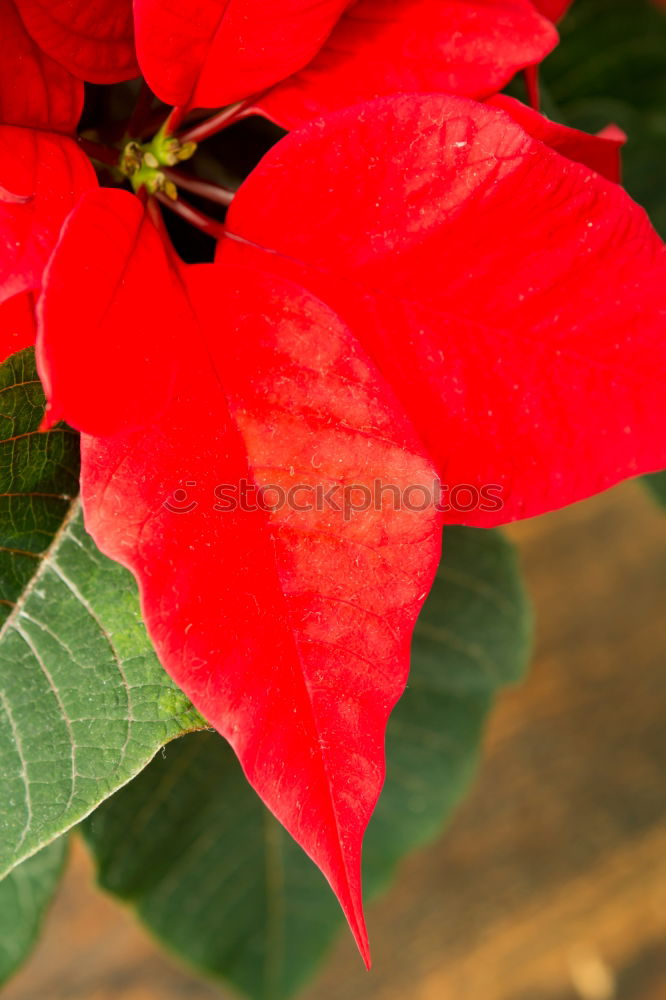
(17, 324)
(289, 628)
(93, 39)
(514, 300)
(42, 176)
(34, 89)
(114, 282)
(224, 50)
(599, 152)
(229, 51)
(554, 9)
(468, 303)
(467, 47)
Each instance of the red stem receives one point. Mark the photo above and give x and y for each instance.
(211, 126)
(98, 151)
(175, 119)
(212, 192)
(155, 121)
(211, 227)
(153, 210)
(157, 218)
(531, 76)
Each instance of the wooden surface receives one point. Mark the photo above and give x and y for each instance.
(551, 882)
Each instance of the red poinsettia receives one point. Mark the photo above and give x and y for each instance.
(93, 39)
(426, 46)
(470, 306)
(42, 175)
(462, 46)
(411, 296)
(218, 55)
(47, 52)
(35, 90)
(600, 152)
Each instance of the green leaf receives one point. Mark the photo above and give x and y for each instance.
(611, 67)
(24, 897)
(214, 875)
(473, 636)
(610, 49)
(84, 702)
(39, 478)
(656, 485)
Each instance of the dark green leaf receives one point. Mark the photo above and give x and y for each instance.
(610, 49)
(473, 637)
(24, 896)
(84, 703)
(39, 478)
(214, 875)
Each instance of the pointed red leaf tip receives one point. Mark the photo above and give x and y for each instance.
(225, 50)
(107, 363)
(513, 299)
(285, 620)
(599, 152)
(34, 89)
(553, 9)
(383, 47)
(42, 176)
(93, 39)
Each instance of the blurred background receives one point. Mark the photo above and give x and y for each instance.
(550, 884)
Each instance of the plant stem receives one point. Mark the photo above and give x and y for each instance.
(155, 122)
(531, 77)
(175, 120)
(98, 151)
(187, 212)
(211, 126)
(212, 192)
